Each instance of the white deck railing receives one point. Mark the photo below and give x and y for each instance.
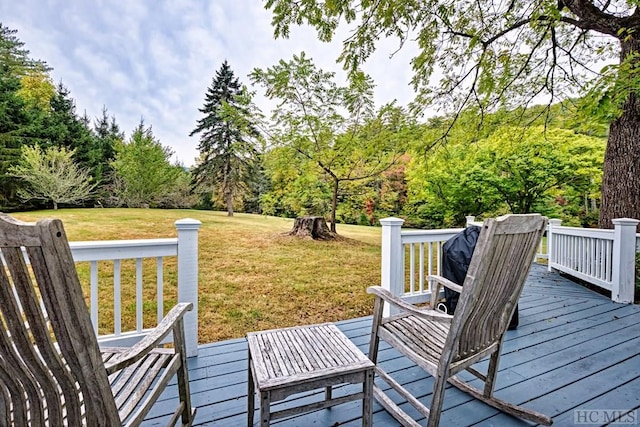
(605, 258)
(408, 257)
(602, 257)
(184, 247)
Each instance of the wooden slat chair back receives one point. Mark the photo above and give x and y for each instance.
(444, 345)
(52, 371)
(495, 279)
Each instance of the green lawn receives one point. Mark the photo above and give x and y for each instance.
(252, 276)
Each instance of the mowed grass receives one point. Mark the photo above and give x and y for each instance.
(252, 276)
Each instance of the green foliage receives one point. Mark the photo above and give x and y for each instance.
(15, 116)
(487, 53)
(512, 170)
(228, 134)
(295, 188)
(330, 130)
(177, 194)
(107, 137)
(52, 175)
(607, 95)
(522, 169)
(14, 120)
(493, 56)
(14, 58)
(33, 112)
(37, 90)
(143, 173)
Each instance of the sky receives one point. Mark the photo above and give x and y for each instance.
(155, 59)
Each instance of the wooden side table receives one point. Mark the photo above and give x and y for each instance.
(283, 362)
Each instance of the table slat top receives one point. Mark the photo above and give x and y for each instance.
(306, 353)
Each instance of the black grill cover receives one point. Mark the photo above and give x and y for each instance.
(456, 257)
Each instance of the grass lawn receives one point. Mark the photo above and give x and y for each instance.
(251, 275)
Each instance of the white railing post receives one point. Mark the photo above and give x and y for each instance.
(550, 256)
(391, 265)
(188, 278)
(624, 251)
(470, 220)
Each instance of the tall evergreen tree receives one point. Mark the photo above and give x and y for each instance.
(14, 58)
(227, 132)
(63, 127)
(16, 119)
(13, 120)
(107, 136)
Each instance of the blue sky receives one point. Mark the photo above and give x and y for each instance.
(156, 59)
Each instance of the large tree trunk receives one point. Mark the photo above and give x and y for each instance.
(312, 226)
(621, 175)
(229, 200)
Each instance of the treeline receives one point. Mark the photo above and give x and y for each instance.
(324, 150)
(46, 147)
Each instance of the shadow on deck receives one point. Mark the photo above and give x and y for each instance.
(574, 350)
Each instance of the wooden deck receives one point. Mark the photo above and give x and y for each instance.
(573, 350)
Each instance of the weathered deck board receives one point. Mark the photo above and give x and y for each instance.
(574, 349)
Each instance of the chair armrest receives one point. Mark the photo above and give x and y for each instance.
(149, 342)
(446, 282)
(441, 281)
(385, 295)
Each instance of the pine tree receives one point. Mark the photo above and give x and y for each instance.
(107, 136)
(226, 131)
(14, 58)
(13, 121)
(16, 119)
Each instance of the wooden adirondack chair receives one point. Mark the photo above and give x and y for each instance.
(52, 372)
(444, 345)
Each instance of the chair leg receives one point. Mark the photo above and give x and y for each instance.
(375, 339)
(491, 373)
(188, 413)
(437, 399)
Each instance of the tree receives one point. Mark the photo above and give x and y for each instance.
(524, 170)
(37, 90)
(14, 58)
(332, 126)
(13, 121)
(62, 127)
(52, 175)
(490, 54)
(227, 138)
(107, 136)
(143, 172)
(17, 113)
(296, 187)
(540, 170)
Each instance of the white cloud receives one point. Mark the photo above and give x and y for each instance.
(156, 59)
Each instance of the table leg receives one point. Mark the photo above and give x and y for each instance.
(251, 390)
(327, 393)
(367, 400)
(265, 408)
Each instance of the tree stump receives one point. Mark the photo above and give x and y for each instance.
(312, 226)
